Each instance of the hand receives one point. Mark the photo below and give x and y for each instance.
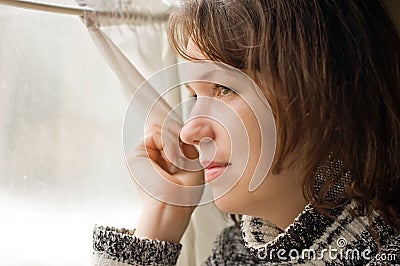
(151, 169)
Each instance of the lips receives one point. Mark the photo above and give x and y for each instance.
(213, 170)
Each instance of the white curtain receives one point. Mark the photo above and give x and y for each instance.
(62, 167)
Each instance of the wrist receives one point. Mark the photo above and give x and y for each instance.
(163, 222)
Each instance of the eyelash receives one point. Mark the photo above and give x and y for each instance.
(219, 89)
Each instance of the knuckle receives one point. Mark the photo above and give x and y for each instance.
(152, 128)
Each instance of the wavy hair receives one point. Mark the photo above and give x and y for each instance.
(331, 73)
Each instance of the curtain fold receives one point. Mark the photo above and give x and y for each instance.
(132, 64)
(60, 125)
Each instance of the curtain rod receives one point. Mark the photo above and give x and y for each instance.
(67, 10)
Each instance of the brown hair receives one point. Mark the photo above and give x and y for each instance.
(331, 72)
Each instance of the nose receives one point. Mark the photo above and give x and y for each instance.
(196, 129)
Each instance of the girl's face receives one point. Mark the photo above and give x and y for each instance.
(207, 129)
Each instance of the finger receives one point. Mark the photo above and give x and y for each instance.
(161, 149)
(153, 146)
(189, 151)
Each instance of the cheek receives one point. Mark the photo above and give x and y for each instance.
(222, 137)
(241, 189)
(252, 129)
(254, 142)
(222, 143)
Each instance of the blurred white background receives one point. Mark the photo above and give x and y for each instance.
(62, 168)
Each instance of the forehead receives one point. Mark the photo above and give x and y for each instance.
(194, 51)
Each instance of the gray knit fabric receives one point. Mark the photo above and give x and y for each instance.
(312, 239)
(112, 246)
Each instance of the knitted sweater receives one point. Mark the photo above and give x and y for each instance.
(312, 239)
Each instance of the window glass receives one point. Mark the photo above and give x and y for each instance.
(62, 166)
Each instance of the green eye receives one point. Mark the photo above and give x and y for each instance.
(222, 91)
(225, 91)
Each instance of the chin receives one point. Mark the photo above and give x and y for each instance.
(229, 204)
(235, 200)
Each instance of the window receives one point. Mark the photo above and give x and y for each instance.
(61, 162)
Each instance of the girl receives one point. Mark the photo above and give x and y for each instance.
(330, 71)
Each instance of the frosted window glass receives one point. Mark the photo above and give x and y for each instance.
(61, 162)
